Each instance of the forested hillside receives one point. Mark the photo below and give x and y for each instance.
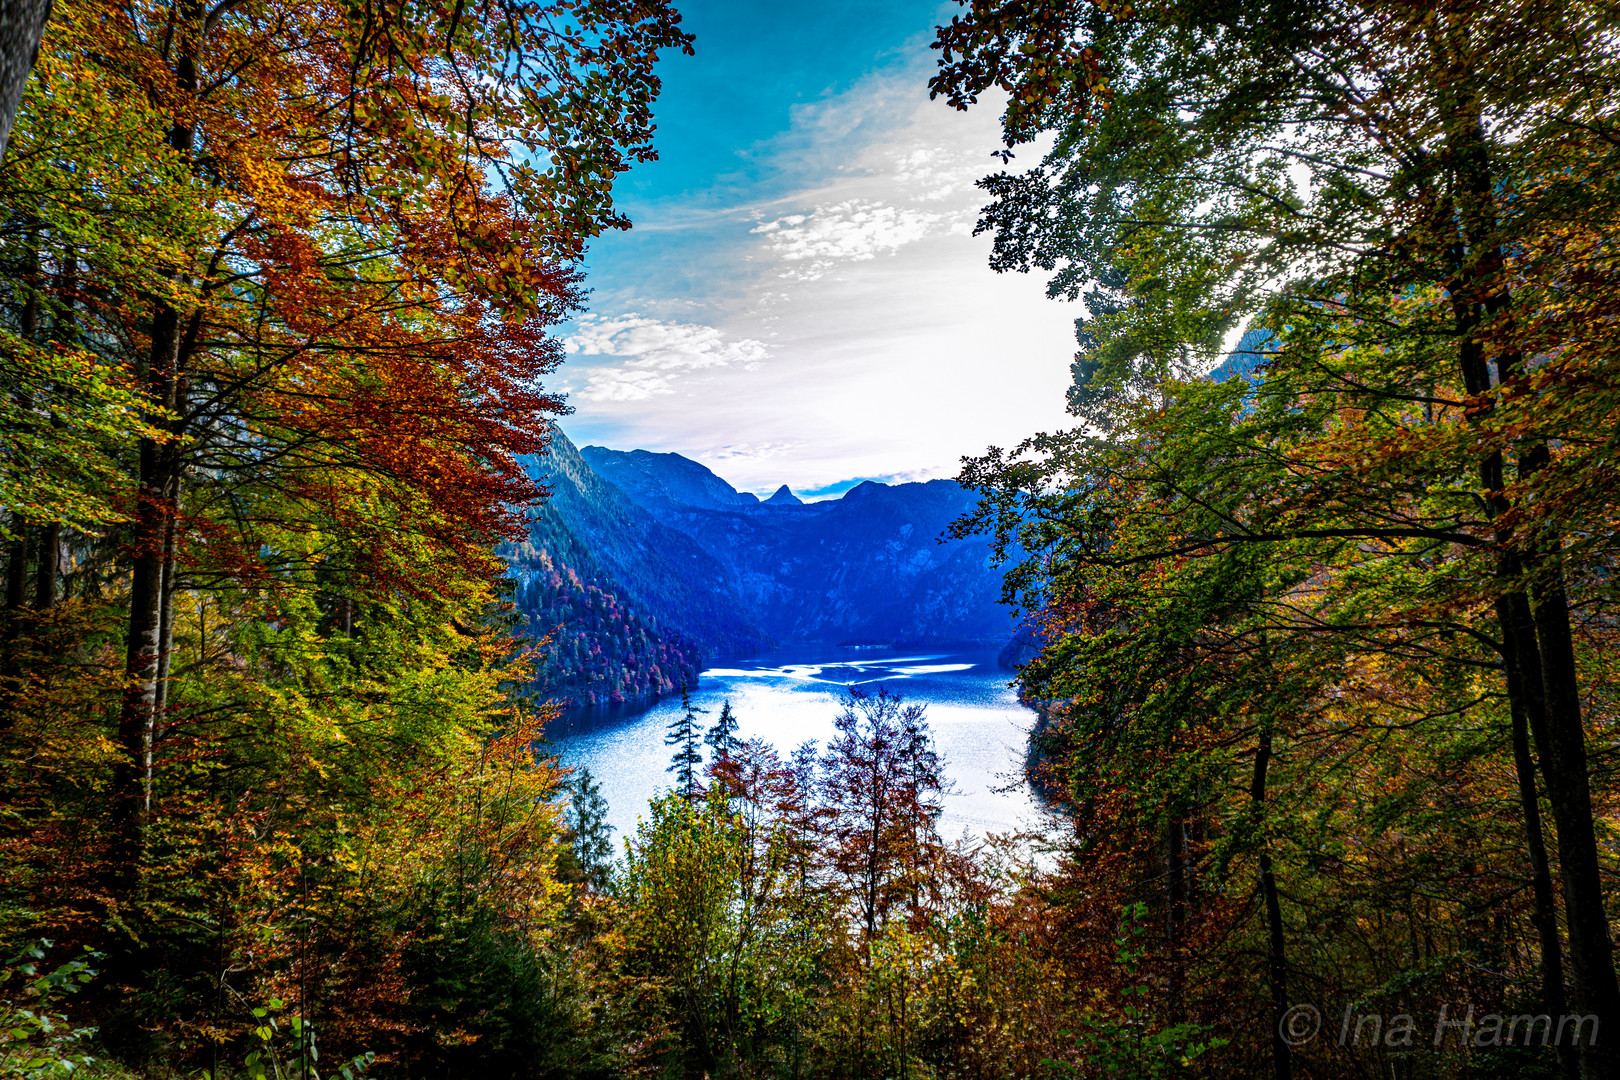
(630, 609)
(639, 568)
(594, 649)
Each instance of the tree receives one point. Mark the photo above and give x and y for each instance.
(1433, 179)
(592, 835)
(709, 927)
(277, 285)
(684, 734)
(722, 737)
(358, 263)
(883, 782)
(1160, 676)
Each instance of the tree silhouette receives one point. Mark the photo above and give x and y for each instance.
(683, 735)
(723, 735)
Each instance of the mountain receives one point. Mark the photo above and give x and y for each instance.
(866, 568)
(659, 567)
(664, 479)
(1245, 360)
(642, 566)
(633, 607)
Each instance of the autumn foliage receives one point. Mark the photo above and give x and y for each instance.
(1321, 583)
(1324, 576)
(279, 279)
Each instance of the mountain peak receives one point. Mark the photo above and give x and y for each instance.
(664, 481)
(784, 497)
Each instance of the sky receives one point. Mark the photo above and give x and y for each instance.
(801, 300)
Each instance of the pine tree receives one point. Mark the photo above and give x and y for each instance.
(723, 735)
(593, 844)
(683, 735)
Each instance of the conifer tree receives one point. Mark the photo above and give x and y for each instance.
(593, 843)
(683, 735)
(723, 735)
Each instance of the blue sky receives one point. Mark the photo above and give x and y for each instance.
(801, 300)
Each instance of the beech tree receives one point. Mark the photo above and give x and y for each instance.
(883, 781)
(883, 786)
(279, 279)
(1356, 177)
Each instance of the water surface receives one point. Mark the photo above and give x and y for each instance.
(793, 695)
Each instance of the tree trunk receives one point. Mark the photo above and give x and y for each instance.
(11, 672)
(1561, 746)
(166, 615)
(1176, 915)
(153, 511)
(1478, 288)
(1546, 910)
(22, 24)
(17, 566)
(1282, 1054)
(11, 632)
(49, 564)
(66, 331)
(1591, 953)
(1540, 648)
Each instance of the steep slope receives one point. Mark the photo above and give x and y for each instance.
(598, 649)
(633, 607)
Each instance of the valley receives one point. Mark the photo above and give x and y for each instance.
(642, 567)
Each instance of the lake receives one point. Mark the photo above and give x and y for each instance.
(791, 696)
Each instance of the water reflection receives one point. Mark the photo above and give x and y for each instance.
(792, 696)
(859, 673)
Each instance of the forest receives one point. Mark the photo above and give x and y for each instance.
(599, 651)
(1320, 579)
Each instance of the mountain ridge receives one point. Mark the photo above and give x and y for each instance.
(643, 566)
(869, 567)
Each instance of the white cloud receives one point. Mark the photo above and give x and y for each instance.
(893, 348)
(620, 384)
(935, 172)
(653, 343)
(751, 451)
(913, 178)
(654, 354)
(852, 231)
